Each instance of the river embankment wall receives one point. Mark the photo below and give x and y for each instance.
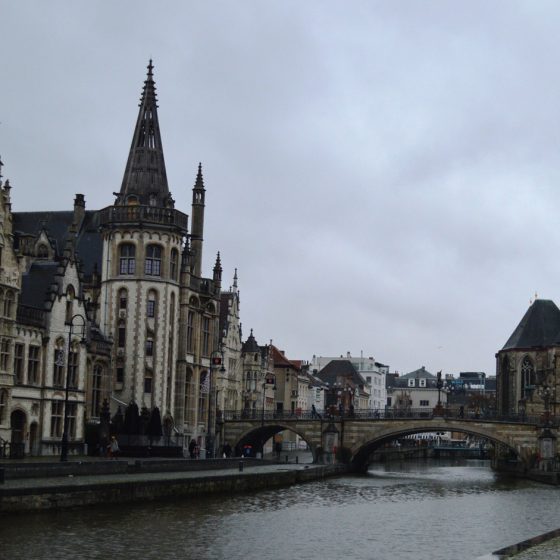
(75, 492)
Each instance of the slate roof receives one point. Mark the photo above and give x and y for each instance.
(540, 327)
(337, 369)
(225, 298)
(250, 345)
(89, 245)
(36, 283)
(421, 373)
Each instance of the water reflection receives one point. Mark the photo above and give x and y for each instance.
(408, 511)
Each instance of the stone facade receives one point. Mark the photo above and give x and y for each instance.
(107, 305)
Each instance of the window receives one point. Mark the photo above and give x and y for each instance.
(33, 365)
(3, 405)
(58, 366)
(424, 403)
(73, 368)
(422, 382)
(123, 298)
(120, 373)
(70, 295)
(173, 264)
(190, 331)
(149, 347)
(151, 304)
(19, 350)
(57, 409)
(527, 376)
(4, 354)
(121, 340)
(96, 389)
(72, 420)
(411, 382)
(205, 336)
(9, 304)
(42, 251)
(127, 259)
(148, 383)
(152, 265)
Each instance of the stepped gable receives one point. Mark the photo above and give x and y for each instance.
(540, 327)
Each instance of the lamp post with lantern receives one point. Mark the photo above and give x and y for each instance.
(82, 326)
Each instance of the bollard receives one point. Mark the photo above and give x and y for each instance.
(286, 458)
(240, 466)
(297, 459)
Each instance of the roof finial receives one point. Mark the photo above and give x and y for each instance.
(235, 279)
(199, 183)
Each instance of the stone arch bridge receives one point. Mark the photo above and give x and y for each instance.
(362, 436)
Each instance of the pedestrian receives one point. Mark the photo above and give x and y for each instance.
(113, 448)
(313, 411)
(192, 445)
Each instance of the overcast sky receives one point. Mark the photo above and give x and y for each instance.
(384, 175)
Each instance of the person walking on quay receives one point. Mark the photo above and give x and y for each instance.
(113, 448)
(192, 448)
(313, 411)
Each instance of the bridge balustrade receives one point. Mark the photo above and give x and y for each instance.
(390, 414)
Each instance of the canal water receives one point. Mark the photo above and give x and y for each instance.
(418, 511)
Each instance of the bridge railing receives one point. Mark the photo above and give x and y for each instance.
(386, 414)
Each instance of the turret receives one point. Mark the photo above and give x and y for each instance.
(197, 222)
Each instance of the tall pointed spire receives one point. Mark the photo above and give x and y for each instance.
(145, 177)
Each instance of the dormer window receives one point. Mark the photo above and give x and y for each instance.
(411, 382)
(422, 382)
(42, 251)
(152, 201)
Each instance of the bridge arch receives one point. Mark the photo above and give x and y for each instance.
(257, 436)
(362, 448)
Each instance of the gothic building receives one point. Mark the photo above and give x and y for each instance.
(108, 304)
(527, 368)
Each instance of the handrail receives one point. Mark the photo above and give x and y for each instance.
(400, 415)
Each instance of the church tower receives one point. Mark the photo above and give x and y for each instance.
(143, 235)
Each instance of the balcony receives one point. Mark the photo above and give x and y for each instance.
(169, 217)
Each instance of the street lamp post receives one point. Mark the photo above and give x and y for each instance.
(64, 442)
(215, 361)
(269, 380)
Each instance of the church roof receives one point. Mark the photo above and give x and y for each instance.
(540, 327)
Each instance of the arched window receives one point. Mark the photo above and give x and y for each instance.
(152, 266)
(174, 264)
(127, 258)
(527, 377)
(42, 251)
(9, 304)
